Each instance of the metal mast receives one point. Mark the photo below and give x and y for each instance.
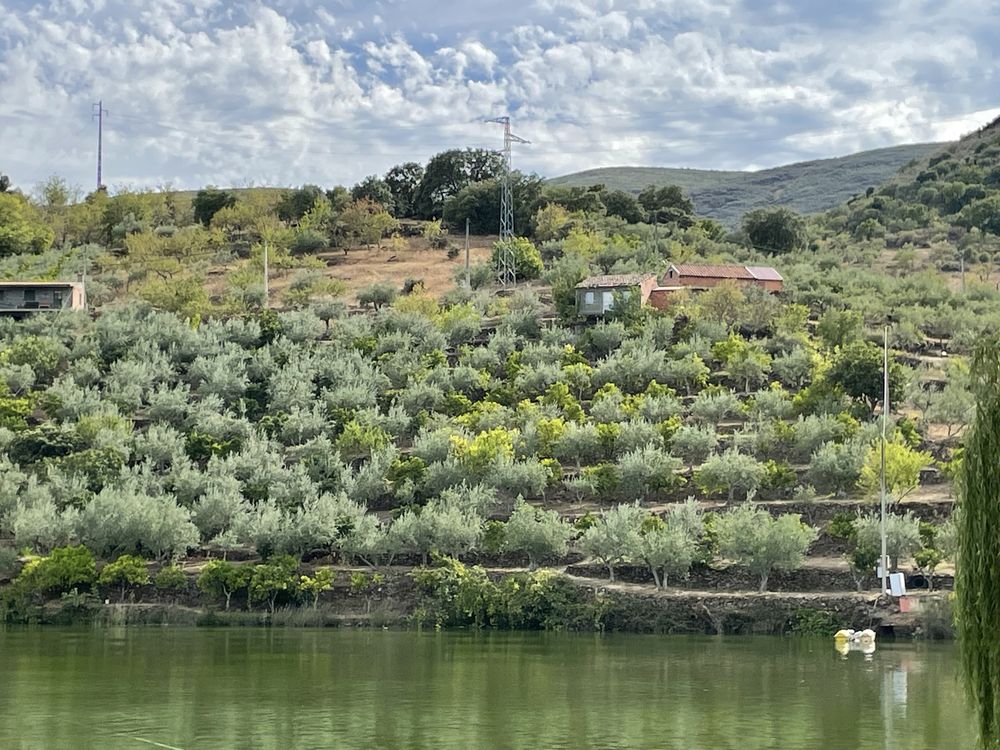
(506, 268)
(99, 113)
(884, 566)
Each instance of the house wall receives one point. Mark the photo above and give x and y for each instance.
(646, 289)
(589, 302)
(707, 282)
(663, 297)
(28, 297)
(602, 300)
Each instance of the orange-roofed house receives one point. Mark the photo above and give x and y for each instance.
(705, 277)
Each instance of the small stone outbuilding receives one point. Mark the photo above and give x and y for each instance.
(595, 295)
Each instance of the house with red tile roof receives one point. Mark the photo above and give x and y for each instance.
(706, 276)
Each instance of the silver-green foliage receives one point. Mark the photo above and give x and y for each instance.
(538, 533)
(751, 536)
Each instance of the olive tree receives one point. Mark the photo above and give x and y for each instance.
(646, 471)
(614, 536)
(730, 472)
(538, 533)
(751, 536)
(693, 443)
(668, 547)
(835, 467)
(902, 539)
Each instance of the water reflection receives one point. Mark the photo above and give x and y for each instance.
(348, 689)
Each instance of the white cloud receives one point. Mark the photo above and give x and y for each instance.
(201, 91)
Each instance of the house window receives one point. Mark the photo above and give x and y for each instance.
(588, 298)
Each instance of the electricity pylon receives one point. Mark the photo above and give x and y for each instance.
(506, 267)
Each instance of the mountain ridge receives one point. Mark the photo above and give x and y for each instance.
(807, 187)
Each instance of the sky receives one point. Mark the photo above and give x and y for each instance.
(289, 92)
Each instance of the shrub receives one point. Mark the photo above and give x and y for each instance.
(902, 469)
(270, 580)
(170, 578)
(127, 570)
(64, 569)
(315, 585)
(221, 578)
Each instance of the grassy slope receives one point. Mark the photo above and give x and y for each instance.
(807, 187)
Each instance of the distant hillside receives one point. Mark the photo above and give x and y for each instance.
(807, 187)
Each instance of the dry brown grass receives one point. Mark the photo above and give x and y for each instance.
(361, 267)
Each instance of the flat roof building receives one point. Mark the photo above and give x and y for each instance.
(23, 297)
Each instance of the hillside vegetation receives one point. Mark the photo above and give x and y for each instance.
(805, 187)
(730, 440)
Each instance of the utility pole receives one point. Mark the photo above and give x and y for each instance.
(99, 113)
(883, 561)
(468, 272)
(265, 276)
(507, 270)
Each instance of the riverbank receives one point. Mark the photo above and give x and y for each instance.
(572, 598)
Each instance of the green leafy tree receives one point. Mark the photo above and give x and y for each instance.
(403, 181)
(271, 579)
(64, 569)
(209, 201)
(668, 205)
(977, 585)
(751, 536)
(294, 204)
(775, 231)
(857, 369)
(315, 585)
(171, 578)
(540, 534)
(22, 228)
(527, 259)
(375, 190)
(450, 171)
(903, 465)
(626, 206)
(127, 570)
(366, 222)
(223, 579)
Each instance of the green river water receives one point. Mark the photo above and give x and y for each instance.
(287, 689)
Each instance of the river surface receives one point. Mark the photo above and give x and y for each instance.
(287, 689)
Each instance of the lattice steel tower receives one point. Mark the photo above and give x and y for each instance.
(506, 268)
